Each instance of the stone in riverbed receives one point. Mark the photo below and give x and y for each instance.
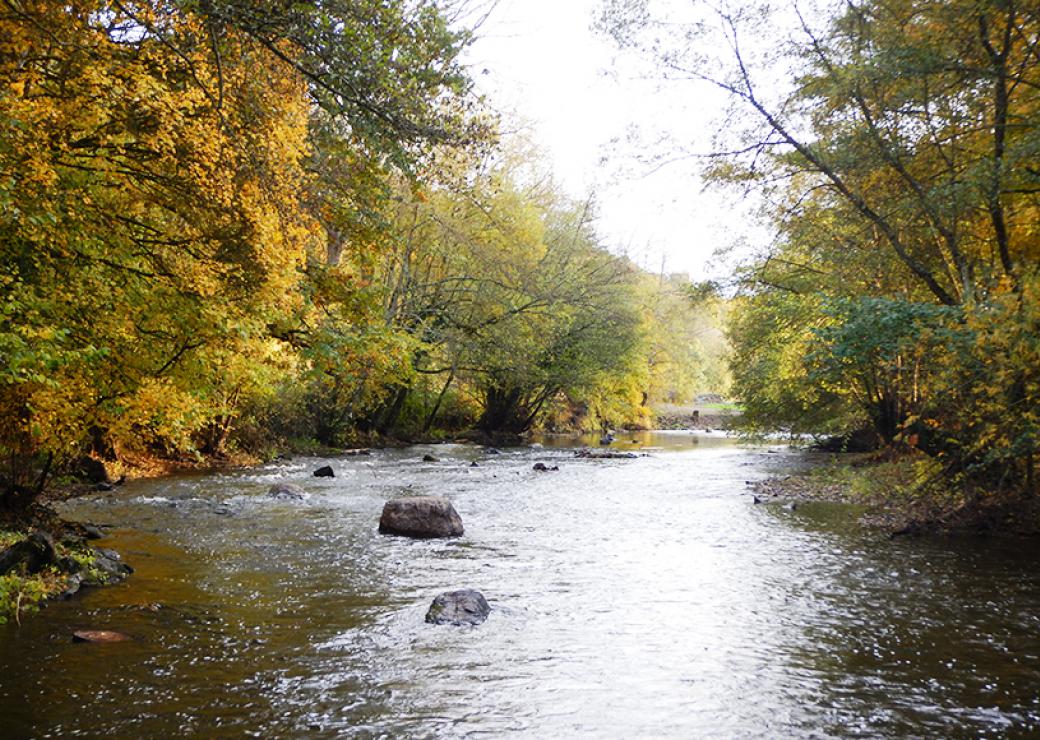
(464, 607)
(99, 636)
(421, 517)
(108, 567)
(72, 586)
(324, 471)
(596, 455)
(429, 458)
(30, 555)
(287, 491)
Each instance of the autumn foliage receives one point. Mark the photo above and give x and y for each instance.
(232, 225)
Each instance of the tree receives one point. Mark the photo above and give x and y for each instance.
(167, 222)
(906, 135)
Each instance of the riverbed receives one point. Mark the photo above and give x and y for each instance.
(645, 597)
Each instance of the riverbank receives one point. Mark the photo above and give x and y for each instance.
(705, 417)
(903, 495)
(44, 557)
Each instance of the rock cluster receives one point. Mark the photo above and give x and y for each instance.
(38, 551)
(597, 455)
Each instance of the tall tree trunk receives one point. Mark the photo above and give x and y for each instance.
(437, 404)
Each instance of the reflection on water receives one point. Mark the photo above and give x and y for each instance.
(643, 597)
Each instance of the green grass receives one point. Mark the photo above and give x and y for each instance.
(723, 406)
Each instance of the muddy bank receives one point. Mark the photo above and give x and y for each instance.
(897, 503)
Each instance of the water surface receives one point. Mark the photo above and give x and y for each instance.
(631, 598)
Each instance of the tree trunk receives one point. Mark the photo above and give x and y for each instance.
(437, 404)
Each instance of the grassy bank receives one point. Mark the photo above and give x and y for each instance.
(905, 494)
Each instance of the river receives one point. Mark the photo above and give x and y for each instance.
(631, 598)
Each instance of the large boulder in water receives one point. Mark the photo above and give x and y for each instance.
(420, 516)
(459, 608)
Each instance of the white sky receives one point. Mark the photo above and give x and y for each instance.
(540, 62)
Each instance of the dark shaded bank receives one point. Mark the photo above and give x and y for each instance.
(902, 494)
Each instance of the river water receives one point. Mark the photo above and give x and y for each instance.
(631, 598)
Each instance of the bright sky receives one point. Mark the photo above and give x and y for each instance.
(540, 62)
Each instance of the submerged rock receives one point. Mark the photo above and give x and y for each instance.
(287, 491)
(542, 467)
(324, 471)
(429, 458)
(463, 607)
(594, 455)
(99, 636)
(420, 517)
